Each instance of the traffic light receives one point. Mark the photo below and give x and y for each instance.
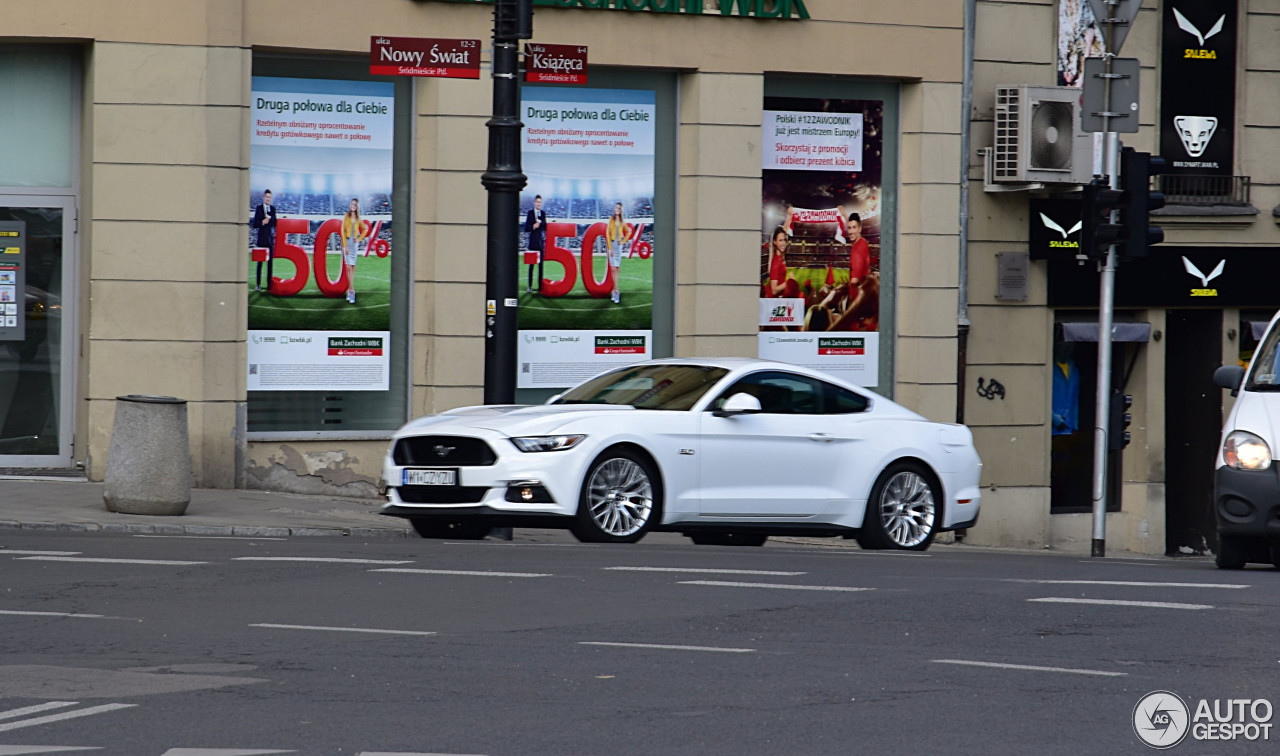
(1097, 232)
(1117, 433)
(512, 20)
(1136, 170)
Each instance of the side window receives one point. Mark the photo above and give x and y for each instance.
(779, 393)
(844, 402)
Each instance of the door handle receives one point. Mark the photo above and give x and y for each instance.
(823, 437)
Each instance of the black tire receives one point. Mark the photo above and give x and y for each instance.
(904, 511)
(728, 539)
(620, 499)
(460, 530)
(1233, 552)
(1275, 554)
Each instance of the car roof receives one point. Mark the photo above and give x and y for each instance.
(745, 364)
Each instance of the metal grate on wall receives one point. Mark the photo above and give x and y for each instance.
(1195, 189)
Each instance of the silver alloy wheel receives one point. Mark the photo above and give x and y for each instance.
(907, 510)
(620, 496)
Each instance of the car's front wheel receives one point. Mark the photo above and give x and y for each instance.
(903, 511)
(619, 500)
(462, 530)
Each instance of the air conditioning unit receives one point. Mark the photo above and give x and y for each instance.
(1038, 137)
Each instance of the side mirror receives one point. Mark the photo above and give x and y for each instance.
(555, 398)
(1229, 377)
(739, 404)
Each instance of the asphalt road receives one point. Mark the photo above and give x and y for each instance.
(546, 646)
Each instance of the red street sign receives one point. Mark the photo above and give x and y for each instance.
(555, 64)
(415, 56)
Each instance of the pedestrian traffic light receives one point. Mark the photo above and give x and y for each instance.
(1097, 232)
(512, 20)
(1136, 170)
(1117, 432)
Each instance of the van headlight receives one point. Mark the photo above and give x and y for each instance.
(1245, 451)
(547, 443)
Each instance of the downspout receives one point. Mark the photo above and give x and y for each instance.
(962, 314)
(962, 310)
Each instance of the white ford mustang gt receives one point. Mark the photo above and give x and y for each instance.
(726, 451)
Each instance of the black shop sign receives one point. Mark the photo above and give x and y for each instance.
(1198, 86)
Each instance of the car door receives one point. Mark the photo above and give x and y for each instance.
(782, 462)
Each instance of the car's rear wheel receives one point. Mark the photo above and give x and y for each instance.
(462, 530)
(620, 499)
(728, 539)
(1232, 553)
(903, 511)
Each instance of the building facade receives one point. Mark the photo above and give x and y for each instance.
(148, 134)
(168, 121)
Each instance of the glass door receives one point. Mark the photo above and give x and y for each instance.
(37, 369)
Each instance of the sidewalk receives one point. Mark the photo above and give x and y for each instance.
(77, 506)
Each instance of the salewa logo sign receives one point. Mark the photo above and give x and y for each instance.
(1194, 271)
(1195, 132)
(1191, 29)
(1064, 242)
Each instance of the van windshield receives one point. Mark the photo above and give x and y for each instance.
(1264, 373)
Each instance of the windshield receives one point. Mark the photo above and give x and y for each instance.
(655, 387)
(1265, 373)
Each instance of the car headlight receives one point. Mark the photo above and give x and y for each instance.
(546, 443)
(1245, 451)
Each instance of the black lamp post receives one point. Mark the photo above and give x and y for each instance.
(503, 179)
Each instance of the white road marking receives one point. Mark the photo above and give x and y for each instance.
(343, 629)
(77, 615)
(702, 570)
(1116, 602)
(1031, 668)
(783, 586)
(1151, 563)
(24, 750)
(334, 560)
(64, 715)
(665, 647)
(1132, 583)
(24, 711)
(476, 573)
(102, 560)
(213, 538)
(39, 553)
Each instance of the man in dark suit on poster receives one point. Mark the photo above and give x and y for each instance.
(535, 223)
(264, 220)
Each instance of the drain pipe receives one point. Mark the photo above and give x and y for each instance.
(962, 314)
(962, 311)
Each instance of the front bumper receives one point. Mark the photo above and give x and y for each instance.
(1247, 502)
(493, 486)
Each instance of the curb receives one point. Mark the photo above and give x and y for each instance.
(244, 531)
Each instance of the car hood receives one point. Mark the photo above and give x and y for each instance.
(511, 420)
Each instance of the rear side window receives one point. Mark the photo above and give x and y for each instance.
(845, 402)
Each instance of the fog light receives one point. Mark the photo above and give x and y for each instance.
(526, 494)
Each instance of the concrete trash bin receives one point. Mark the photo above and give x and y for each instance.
(149, 467)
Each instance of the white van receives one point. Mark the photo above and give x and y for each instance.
(1246, 485)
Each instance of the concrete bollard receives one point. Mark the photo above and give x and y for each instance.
(149, 464)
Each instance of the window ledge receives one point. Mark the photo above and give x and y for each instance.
(1206, 216)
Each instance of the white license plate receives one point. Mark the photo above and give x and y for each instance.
(430, 478)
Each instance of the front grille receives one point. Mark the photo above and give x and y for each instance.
(454, 451)
(441, 494)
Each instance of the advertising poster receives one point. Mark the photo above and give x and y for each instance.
(320, 235)
(820, 235)
(1078, 38)
(1198, 89)
(586, 255)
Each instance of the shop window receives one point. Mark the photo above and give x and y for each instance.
(328, 232)
(1074, 404)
